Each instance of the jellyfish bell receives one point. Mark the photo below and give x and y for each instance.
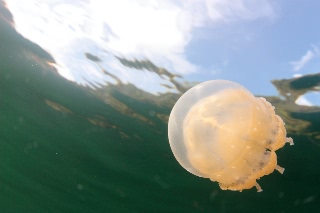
(219, 130)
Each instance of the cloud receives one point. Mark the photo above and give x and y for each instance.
(215, 11)
(309, 99)
(303, 101)
(159, 30)
(306, 58)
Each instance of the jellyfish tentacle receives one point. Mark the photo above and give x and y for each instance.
(290, 141)
(280, 169)
(259, 189)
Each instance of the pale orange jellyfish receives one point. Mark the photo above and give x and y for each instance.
(219, 130)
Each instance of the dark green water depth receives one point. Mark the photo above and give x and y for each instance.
(63, 149)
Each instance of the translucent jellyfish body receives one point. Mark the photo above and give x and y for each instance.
(219, 130)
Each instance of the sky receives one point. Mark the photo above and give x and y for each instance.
(247, 41)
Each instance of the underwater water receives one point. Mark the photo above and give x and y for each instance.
(66, 148)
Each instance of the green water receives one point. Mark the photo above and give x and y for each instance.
(63, 149)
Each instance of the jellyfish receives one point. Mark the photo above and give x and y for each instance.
(219, 130)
